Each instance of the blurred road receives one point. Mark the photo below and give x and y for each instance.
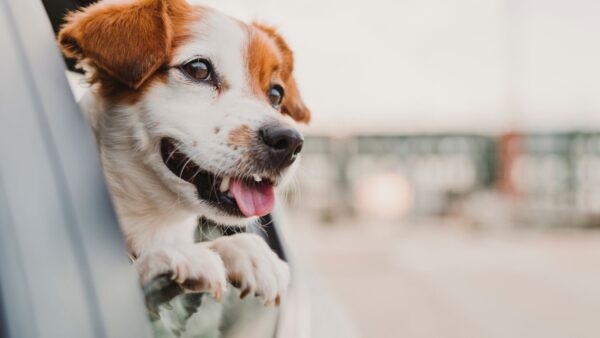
(448, 281)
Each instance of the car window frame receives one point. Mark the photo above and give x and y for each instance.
(67, 271)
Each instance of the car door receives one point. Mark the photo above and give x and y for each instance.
(64, 270)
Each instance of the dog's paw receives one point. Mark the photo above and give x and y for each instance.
(194, 267)
(253, 267)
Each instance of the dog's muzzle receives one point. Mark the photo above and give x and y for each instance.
(280, 145)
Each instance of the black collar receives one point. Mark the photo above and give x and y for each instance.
(209, 229)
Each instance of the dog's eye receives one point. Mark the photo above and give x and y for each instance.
(198, 69)
(275, 95)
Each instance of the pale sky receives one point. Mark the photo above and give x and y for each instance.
(405, 66)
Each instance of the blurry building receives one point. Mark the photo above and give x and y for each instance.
(544, 176)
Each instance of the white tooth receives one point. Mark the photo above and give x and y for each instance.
(224, 184)
(257, 178)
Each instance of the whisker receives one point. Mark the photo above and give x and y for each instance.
(196, 174)
(185, 165)
(173, 152)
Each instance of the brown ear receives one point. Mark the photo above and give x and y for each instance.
(292, 104)
(128, 41)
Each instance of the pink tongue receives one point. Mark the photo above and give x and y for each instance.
(253, 200)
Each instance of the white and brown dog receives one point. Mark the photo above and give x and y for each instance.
(193, 113)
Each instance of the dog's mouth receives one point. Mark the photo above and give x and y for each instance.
(237, 195)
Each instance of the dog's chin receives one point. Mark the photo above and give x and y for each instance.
(236, 199)
(216, 216)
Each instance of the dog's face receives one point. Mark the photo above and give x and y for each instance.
(209, 102)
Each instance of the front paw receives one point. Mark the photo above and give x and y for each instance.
(253, 267)
(194, 268)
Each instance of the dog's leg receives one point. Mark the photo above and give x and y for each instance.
(185, 268)
(253, 267)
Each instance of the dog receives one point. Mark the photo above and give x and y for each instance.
(195, 115)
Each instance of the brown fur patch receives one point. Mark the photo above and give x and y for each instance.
(264, 62)
(241, 136)
(198, 284)
(271, 61)
(130, 45)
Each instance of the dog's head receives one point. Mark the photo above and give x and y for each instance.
(209, 103)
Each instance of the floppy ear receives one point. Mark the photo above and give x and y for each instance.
(292, 104)
(129, 41)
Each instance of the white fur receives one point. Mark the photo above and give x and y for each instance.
(259, 268)
(149, 198)
(158, 211)
(194, 263)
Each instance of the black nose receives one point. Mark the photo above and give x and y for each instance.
(283, 144)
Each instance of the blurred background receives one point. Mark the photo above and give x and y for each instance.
(450, 183)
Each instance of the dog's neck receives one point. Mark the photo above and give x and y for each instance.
(147, 213)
